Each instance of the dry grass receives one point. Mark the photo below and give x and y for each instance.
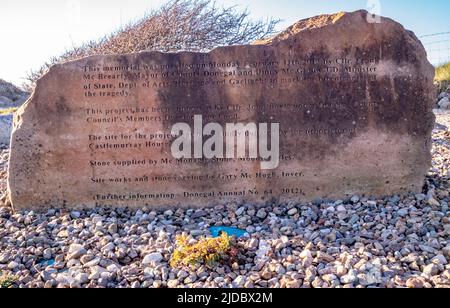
(443, 76)
(8, 111)
(178, 25)
(6, 281)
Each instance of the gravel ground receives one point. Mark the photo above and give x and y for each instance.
(399, 241)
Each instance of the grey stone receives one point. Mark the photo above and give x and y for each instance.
(261, 214)
(240, 211)
(4, 258)
(444, 103)
(6, 122)
(152, 259)
(76, 251)
(354, 219)
(403, 212)
(439, 260)
(13, 265)
(431, 269)
(239, 281)
(354, 199)
(292, 212)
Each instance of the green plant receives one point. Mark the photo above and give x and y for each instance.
(6, 281)
(207, 251)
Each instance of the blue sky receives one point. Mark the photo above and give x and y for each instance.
(32, 31)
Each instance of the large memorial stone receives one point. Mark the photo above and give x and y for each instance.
(352, 99)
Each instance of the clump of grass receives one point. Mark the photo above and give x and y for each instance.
(443, 72)
(8, 111)
(6, 281)
(205, 251)
(443, 76)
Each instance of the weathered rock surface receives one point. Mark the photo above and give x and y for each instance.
(444, 103)
(353, 99)
(5, 129)
(10, 95)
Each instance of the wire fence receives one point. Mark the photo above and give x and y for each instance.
(437, 46)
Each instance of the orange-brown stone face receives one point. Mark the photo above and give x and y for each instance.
(353, 101)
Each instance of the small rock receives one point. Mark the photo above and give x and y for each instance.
(152, 259)
(427, 249)
(63, 234)
(266, 274)
(75, 215)
(414, 283)
(239, 281)
(445, 208)
(182, 275)
(91, 263)
(378, 246)
(446, 274)
(171, 284)
(420, 197)
(168, 213)
(444, 103)
(341, 271)
(47, 275)
(402, 212)
(395, 199)
(113, 268)
(292, 211)
(433, 202)
(195, 233)
(191, 279)
(439, 260)
(306, 254)
(103, 282)
(82, 278)
(369, 279)
(431, 269)
(446, 252)
(350, 278)
(261, 214)
(253, 244)
(353, 220)
(443, 94)
(354, 199)
(4, 258)
(108, 247)
(112, 229)
(329, 277)
(76, 251)
(13, 265)
(341, 209)
(294, 284)
(199, 214)
(47, 254)
(240, 211)
(325, 257)
(49, 284)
